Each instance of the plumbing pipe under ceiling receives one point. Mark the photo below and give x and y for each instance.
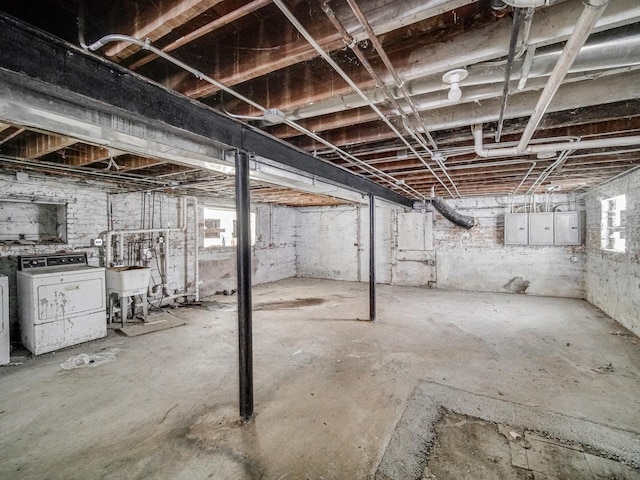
(582, 29)
(294, 21)
(484, 152)
(200, 75)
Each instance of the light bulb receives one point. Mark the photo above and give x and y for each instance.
(455, 94)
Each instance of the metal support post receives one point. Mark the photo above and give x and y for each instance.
(243, 254)
(372, 257)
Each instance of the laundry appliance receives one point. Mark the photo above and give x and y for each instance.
(61, 301)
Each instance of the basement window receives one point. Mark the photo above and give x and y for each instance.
(25, 222)
(220, 228)
(614, 223)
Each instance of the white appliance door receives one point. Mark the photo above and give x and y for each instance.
(69, 295)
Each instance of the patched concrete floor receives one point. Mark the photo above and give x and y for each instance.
(335, 396)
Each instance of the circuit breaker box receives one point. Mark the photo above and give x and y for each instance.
(541, 228)
(516, 228)
(567, 228)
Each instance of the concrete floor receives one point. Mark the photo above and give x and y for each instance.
(329, 389)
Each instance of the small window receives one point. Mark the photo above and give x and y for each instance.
(29, 223)
(220, 228)
(614, 223)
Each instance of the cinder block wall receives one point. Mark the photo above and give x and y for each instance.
(612, 280)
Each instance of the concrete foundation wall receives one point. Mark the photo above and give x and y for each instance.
(612, 280)
(329, 242)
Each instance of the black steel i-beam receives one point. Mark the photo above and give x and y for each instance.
(372, 257)
(243, 254)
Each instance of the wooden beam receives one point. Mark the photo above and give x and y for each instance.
(154, 24)
(38, 145)
(83, 155)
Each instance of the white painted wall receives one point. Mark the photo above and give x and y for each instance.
(612, 280)
(88, 204)
(476, 259)
(274, 253)
(329, 242)
(86, 216)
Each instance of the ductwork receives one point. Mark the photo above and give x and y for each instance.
(450, 214)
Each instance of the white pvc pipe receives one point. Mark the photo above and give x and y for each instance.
(196, 234)
(481, 151)
(590, 15)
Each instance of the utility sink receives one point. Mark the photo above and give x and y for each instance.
(127, 279)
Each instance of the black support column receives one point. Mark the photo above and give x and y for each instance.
(372, 257)
(243, 253)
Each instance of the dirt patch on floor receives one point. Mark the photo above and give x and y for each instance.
(290, 304)
(468, 447)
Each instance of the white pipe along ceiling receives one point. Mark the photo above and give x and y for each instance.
(406, 94)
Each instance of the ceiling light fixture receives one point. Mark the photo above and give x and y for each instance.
(453, 78)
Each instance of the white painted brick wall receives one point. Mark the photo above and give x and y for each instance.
(613, 279)
(86, 217)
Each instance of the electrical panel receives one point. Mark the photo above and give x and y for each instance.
(541, 228)
(567, 228)
(516, 228)
(548, 228)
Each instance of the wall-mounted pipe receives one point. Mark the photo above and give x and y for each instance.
(450, 214)
(583, 27)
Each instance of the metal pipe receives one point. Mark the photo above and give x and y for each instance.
(243, 256)
(526, 175)
(196, 240)
(367, 65)
(517, 19)
(372, 257)
(551, 147)
(287, 13)
(562, 158)
(401, 85)
(208, 28)
(120, 233)
(198, 74)
(387, 62)
(590, 15)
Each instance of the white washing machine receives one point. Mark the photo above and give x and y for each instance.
(5, 352)
(61, 301)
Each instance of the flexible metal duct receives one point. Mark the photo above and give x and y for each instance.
(450, 214)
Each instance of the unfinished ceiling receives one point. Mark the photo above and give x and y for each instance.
(360, 84)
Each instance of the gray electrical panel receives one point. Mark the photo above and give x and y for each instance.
(567, 228)
(541, 228)
(516, 228)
